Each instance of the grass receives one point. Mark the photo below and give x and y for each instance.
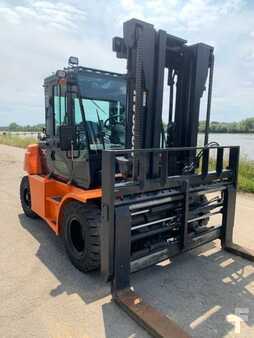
(246, 176)
(17, 141)
(246, 170)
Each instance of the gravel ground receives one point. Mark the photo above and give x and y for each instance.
(42, 295)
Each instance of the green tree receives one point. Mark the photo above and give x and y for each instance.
(13, 126)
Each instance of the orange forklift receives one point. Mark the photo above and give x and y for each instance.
(124, 189)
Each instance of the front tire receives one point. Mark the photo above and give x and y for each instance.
(25, 198)
(81, 226)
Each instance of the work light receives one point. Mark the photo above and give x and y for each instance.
(73, 61)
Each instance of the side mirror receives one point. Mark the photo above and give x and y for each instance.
(69, 139)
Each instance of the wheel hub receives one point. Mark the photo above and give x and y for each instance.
(77, 237)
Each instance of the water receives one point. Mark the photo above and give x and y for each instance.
(21, 133)
(245, 141)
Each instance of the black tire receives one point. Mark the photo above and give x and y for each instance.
(81, 230)
(25, 198)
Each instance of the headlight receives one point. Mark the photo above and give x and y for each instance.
(61, 74)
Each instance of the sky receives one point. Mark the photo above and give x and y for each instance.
(37, 37)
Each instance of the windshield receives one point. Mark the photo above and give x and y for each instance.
(103, 99)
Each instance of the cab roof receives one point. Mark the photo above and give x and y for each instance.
(70, 71)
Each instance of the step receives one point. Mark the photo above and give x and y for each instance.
(54, 199)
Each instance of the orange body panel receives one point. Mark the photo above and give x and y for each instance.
(33, 162)
(48, 197)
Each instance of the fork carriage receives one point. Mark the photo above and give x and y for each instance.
(147, 219)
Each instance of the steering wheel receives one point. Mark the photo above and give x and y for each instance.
(106, 122)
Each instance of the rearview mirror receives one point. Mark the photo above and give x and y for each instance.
(68, 138)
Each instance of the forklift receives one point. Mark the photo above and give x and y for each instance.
(124, 189)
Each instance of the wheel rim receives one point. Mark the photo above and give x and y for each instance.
(77, 236)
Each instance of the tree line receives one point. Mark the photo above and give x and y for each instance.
(243, 126)
(28, 128)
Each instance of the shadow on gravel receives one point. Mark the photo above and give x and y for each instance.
(90, 287)
(202, 290)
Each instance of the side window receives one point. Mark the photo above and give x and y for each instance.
(59, 108)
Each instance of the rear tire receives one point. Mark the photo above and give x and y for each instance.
(25, 198)
(81, 231)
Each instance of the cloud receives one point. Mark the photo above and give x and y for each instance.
(44, 14)
(226, 25)
(38, 36)
(186, 15)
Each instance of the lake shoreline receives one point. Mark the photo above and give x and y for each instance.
(245, 141)
(246, 168)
